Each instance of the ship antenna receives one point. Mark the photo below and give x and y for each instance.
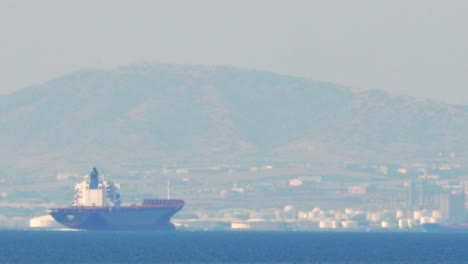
(168, 189)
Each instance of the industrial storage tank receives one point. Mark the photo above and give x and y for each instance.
(403, 223)
(349, 224)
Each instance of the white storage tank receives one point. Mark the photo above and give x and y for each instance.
(335, 224)
(400, 214)
(385, 224)
(436, 214)
(240, 226)
(402, 223)
(411, 223)
(417, 215)
(325, 224)
(424, 220)
(349, 224)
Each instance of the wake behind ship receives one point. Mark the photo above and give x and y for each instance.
(97, 206)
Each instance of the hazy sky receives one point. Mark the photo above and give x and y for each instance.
(417, 48)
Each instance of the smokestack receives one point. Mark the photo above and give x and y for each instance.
(93, 179)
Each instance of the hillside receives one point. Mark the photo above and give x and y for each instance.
(154, 115)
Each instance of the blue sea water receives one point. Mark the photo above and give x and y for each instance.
(231, 247)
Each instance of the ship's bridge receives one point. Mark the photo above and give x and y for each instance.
(95, 192)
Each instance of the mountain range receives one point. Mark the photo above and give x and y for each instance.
(156, 115)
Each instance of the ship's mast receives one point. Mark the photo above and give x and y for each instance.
(168, 189)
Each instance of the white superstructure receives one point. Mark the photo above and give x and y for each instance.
(93, 192)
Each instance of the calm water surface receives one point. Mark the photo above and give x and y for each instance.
(230, 247)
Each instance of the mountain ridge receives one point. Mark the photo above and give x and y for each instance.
(158, 114)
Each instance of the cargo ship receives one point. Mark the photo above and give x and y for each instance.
(96, 206)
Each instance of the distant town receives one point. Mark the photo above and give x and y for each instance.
(383, 203)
